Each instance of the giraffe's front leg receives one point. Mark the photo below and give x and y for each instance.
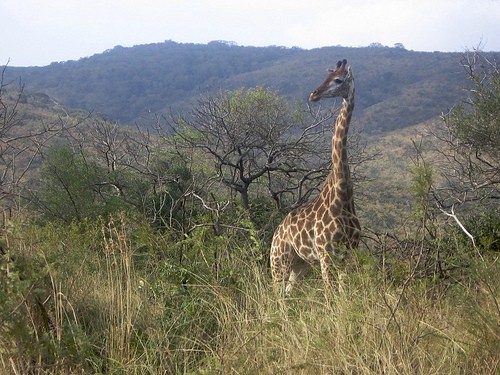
(281, 261)
(326, 268)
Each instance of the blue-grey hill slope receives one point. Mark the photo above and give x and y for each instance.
(395, 87)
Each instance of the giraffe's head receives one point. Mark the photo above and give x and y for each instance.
(337, 83)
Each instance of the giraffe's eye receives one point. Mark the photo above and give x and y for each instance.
(339, 81)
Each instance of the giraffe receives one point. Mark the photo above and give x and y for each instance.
(317, 230)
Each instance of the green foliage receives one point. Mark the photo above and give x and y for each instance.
(73, 187)
(166, 205)
(422, 180)
(471, 140)
(485, 226)
(478, 122)
(68, 181)
(261, 112)
(37, 324)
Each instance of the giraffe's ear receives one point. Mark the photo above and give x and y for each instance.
(349, 72)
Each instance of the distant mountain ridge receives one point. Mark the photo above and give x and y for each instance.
(395, 88)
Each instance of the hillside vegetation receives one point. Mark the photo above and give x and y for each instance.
(396, 87)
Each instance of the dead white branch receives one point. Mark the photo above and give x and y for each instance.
(467, 233)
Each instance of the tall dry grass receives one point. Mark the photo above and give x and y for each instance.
(90, 299)
(365, 326)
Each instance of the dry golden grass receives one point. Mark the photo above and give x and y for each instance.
(109, 311)
(364, 327)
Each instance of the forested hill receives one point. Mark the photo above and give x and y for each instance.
(395, 87)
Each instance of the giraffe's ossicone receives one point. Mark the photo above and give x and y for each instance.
(320, 229)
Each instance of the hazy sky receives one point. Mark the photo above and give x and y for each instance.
(38, 32)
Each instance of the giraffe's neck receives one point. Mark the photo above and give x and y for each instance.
(338, 185)
(340, 166)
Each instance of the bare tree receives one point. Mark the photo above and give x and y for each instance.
(253, 138)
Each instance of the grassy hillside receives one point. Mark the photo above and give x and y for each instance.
(396, 87)
(384, 199)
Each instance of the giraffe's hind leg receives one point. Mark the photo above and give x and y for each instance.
(298, 269)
